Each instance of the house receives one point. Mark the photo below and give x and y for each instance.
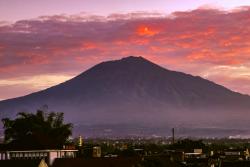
(234, 154)
(175, 155)
(197, 153)
(48, 155)
(97, 152)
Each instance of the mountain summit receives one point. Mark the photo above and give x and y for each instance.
(135, 91)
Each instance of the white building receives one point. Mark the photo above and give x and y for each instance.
(48, 155)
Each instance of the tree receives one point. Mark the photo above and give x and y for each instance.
(188, 145)
(37, 131)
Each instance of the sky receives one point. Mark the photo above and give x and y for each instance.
(43, 43)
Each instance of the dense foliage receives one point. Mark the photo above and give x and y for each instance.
(37, 131)
(188, 145)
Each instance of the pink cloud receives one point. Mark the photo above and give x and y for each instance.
(192, 41)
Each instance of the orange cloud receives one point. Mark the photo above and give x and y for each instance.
(88, 46)
(193, 42)
(145, 30)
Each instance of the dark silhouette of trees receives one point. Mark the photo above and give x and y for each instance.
(188, 145)
(41, 130)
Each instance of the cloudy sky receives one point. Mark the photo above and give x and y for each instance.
(43, 43)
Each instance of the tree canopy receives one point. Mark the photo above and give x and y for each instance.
(37, 131)
(188, 145)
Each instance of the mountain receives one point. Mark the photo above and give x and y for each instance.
(134, 93)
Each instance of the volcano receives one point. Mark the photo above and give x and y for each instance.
(135, 94)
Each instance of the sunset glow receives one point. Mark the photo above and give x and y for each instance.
(208, 41)
(143, 30)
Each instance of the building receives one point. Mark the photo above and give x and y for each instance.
(97, 152)
(48, 155)
(197, 153)
(235, 154)
(175, 155)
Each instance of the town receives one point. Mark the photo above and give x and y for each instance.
(134, 152)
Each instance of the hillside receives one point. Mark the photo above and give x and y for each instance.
(135, 91)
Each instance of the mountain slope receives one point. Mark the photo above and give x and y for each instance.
(133, 90)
